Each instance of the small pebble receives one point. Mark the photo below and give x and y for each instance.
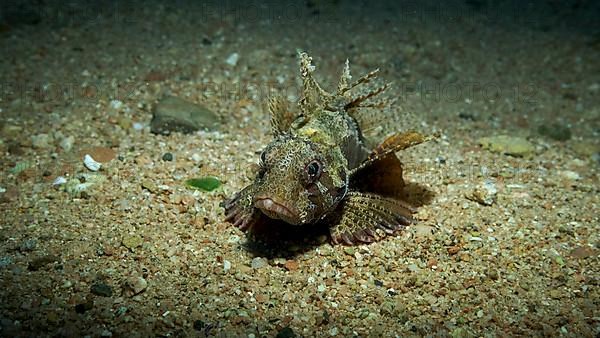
(493, 274)
(570, 175)
(121, 311)
(387, 308)
(196, 157)
(286, 332)
(232, 59)
(134, 285)
(324, 318)
(226, 265)
(83, 307)
(28, 245)
(167, 157)
(124, 205)
(258, 262)
(149, 185)
(67, 143)
(291, 265)
(453, 250)
(132, 241)
(15, 148)
(233, 239)
(556, 294)
(41, 141)
(143, 160)
(349, 251)
(101, 289)
(413, 268)
(484, 193)
(40, 262)
(423, 231)
(5, 261)
(123, 122)
(116, 104)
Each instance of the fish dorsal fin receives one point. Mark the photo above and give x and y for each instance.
(367, 119)
(281, 116)
(345, 86)
(345, 78)
(313, 96)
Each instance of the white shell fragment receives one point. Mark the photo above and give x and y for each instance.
(60, 180)
(116, 104)
(90, 163)
(232, 60)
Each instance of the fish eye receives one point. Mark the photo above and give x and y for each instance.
(263, 157)
(262, 165)
(261, 172)
(313, 170)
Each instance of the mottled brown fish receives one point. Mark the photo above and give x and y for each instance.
(319, 168)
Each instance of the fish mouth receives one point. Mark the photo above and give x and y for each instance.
(275, 210)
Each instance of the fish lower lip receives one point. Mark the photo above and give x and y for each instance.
(273, 208)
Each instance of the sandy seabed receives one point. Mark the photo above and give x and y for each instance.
(139, 254)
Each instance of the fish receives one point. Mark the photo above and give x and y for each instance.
(320, 168)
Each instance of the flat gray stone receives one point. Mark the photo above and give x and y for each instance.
(172, 114)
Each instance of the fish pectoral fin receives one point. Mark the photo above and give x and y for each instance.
(240, 211)
(367, 218)
(392, 144)
(383, 177)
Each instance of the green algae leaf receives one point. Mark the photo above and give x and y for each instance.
(19, 167)
(208, 183)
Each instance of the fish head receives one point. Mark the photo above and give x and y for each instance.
(299, 181)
